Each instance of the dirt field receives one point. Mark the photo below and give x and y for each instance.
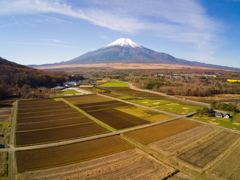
(39, 114)
(87, 99)
(51, 124)
(43, 108)
(229, 167)
(39, 159)
(49, 118)
(130, 164)
(176, 142)
(3, 164)
(158, 132)
(117, 119)
(57, 134)
(181, 176)
(206, 152)
(104, 106)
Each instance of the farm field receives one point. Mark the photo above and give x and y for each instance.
(58, 133)
(86, 99)
(228, 167)
(155, 133)
(130, 164)
(204, 153)
(52, 125)
(224, 122)
(114, 84)
(168, 105)
(176, 142)
(146, 114)
(3, 164)
(39, 159)
(117, 119)
(129, 92)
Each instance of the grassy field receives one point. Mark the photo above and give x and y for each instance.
(146, 114)
(169, 105)
(114, 84)
(69, 92)
(224, 122)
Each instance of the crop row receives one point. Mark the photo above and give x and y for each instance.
(206, 152)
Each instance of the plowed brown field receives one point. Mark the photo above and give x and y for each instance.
(158, 132)
(37, 114)
(57, 134)
(180, 140)
(206, 152)
(117, 119)
(51, 124)
(49, 118)
(38, 159)
(87, 99)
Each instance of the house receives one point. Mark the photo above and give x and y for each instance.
(226, 115)
(70, 84)
(58, 88)
(218, 114)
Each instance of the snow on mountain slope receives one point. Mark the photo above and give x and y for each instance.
(124, 42)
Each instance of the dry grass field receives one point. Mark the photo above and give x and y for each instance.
(204, 153)
(3, 164)
(130, 164)
(155, 133)
(228, 168)
(87, 99)
(38, 159)
(129, 92)
(176, 142)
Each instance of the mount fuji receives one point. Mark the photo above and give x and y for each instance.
(126, 51)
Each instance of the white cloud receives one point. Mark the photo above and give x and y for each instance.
(182, 21)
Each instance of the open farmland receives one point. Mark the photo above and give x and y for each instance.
(117, 119)
(146, 114)
(155, 133)
(3, 164)
(176, 142)
(87, 99)
(52, 125)
(129, 92)
(206, 152)
(228, 167)
(114, 84)
(130, 164)
(58, 133)
(38, 159)
(168, 105)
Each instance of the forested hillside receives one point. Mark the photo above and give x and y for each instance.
(16, 79)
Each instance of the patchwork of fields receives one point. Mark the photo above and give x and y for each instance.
(42, 121)
(176, 149)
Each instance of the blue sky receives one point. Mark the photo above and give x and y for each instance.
(49, 31)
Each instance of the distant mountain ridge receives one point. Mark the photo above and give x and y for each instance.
(124, 50)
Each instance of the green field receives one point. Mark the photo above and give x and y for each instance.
(169, 105)
(224, 122)
(114, 84)
(69, 92)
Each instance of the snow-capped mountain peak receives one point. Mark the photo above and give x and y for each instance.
(124, 42)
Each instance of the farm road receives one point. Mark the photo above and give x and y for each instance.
(161, 94)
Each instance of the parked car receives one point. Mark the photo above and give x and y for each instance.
(2, 146)
(1, 135)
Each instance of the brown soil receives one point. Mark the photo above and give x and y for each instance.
(130, 164)
(51, 124)
(117, 119)
(38, 159)
(206, 152)
(50, 118)
(57, 134)
(155, 133)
